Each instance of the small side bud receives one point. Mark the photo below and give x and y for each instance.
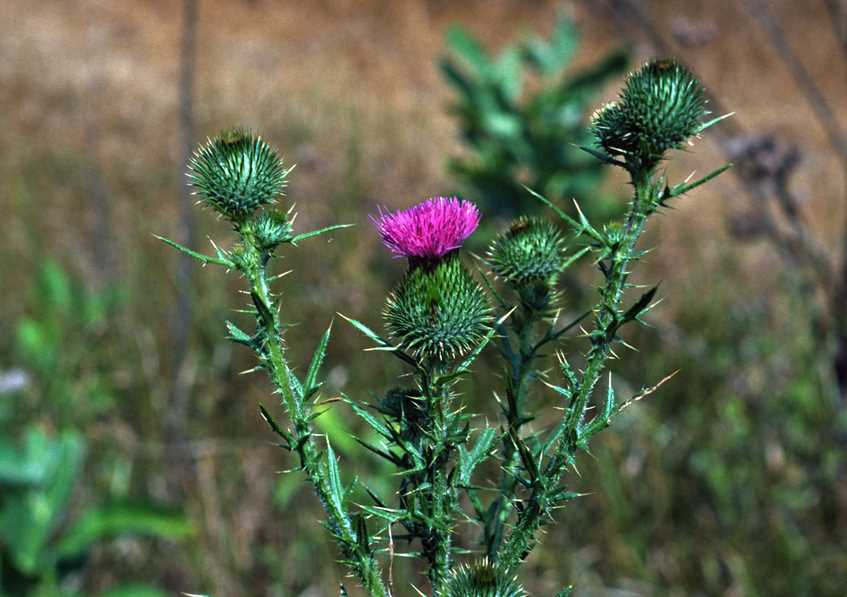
(529, 257)
(482, 579)
(271, 228)
(235, 173)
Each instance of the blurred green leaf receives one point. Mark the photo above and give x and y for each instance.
(468, 48)
(134, 591)
(29, 516)
(122, 519)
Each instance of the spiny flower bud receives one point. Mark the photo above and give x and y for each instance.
(429, 230)
(438, 311)
(236, 172)
(481, 579)
(531, 250)
(271, 228)
(660, 108)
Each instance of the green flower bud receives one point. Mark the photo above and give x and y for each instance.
(531, 250)
(660, 108)
(271, 228)
(481, 579)
(236, 172)
(438, 310)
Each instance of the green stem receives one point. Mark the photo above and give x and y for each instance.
(359, 558)
(516, 395)
(567, 434)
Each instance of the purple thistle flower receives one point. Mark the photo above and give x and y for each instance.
(429, 230)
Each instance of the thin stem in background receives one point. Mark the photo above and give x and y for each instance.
(177, 411)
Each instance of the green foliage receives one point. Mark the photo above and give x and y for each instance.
(38, 544)
(235, 173)
(58, 342)
(439, 312)
(520, 134)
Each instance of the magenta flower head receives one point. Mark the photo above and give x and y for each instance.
(429, 230)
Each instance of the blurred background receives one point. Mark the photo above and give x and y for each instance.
(132, 459)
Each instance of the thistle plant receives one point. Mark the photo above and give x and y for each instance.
(439, 317)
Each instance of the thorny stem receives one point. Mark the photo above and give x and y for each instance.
(568, 434)
(358, 557)
(437, 544)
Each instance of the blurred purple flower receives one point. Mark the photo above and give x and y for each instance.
(429, 230)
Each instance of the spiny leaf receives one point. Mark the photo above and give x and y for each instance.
(374, 423)
(204, 259)
(470, 459)
(381, 342)
(336, 488)
(237, 335)
(390, 514)
(640, 305)
(306, 235)
(683, 188)
(274, 427)
(317, 360)
(395, 460)
(579, 227)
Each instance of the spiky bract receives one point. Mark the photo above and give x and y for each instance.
(530, 250)
(481, 579)
(236, 172)
(438, 311)
(660, 108)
